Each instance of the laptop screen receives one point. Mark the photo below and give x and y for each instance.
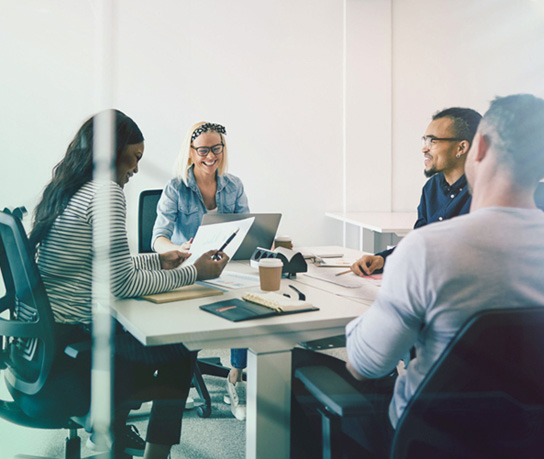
(261, 233)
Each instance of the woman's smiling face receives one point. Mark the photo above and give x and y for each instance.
(209, 163)
(127, 162)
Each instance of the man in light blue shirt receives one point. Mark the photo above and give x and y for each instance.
(440, 275)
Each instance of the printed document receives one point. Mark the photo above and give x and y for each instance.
(212, 237)
(231, 280)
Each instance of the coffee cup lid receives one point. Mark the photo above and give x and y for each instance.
(270, 262)
(283, 239)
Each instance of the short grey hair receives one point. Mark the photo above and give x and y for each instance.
(514, 125)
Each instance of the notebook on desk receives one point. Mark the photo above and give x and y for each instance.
(188, 292)
(261, 234)
(257, 306)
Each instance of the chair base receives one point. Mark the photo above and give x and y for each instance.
(73, 451)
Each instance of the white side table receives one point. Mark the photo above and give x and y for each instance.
(377, 230)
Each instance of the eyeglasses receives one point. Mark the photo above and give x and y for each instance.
(203, 151)
(429, 140)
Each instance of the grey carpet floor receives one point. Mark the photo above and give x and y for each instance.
(220, 436)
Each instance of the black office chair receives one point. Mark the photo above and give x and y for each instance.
(484, 397)
(147, 214)
(46, 394)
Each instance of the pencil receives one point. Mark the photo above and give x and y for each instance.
(343, 272)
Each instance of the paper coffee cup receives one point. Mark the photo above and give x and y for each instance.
(270, 274)
(283, 241)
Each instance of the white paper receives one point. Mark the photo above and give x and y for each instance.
(349, 280)
(334, 262)
(212, 237)
(231, 281)
(320, 252)
(365, 288)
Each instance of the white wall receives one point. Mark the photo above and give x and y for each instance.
(368, 99)
(46, 82)
(272, 73)
(456, 53)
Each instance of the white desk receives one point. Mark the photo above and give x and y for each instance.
(379, 226)
(269, 341)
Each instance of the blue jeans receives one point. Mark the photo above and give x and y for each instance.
(238, 358)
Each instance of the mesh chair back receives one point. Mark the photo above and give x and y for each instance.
(484, 397)
(28, 334)
(147, 214)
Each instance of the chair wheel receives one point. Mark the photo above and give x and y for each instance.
(204, 411)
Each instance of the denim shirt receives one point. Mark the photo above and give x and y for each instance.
(440, 201)
(181, 207)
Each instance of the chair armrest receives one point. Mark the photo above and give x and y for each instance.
(333, 391)
(74, 350)
(18, 329)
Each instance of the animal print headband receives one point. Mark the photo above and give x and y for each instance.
(208, 127)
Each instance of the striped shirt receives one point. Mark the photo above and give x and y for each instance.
(65, 257)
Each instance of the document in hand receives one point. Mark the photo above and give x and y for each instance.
(256, 306)
(212, 237)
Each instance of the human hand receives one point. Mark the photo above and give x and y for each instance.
(172, 259)
(208, 267)
(186, 246)
(367, 264)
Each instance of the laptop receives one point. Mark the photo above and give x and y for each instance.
(261, 233)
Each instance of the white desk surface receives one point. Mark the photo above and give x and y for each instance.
(269, 341)
(183, 321)
(399, 223)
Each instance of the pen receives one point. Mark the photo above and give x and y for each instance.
(301, 295)
(226, 308)
(227, 242)
(343, 272)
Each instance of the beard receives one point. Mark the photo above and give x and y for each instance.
(430, 172)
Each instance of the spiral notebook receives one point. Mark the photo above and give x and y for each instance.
(257, 306)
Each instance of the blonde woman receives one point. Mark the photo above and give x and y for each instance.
(201, 185)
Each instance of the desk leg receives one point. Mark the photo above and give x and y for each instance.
(374, 242)
(268, 424)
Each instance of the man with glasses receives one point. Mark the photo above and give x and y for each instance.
(445, 145)
(443, 274)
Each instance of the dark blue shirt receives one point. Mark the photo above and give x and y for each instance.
(440, 201)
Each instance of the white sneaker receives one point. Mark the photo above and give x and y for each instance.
(189, 403)
(236, 398)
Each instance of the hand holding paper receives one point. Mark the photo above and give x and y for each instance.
(172, 259)
(212, 237)
(209, 267)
